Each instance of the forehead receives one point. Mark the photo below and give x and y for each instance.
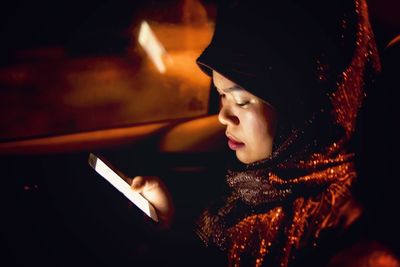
(223, 83)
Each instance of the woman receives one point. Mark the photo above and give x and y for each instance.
(291, 77)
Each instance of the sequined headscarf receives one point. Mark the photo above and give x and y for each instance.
(280, 205)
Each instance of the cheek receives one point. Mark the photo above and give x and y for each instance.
(256, 126)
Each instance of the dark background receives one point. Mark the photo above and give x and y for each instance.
(84, 26)
(91, 24)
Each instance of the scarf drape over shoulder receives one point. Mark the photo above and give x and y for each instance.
(312, 61)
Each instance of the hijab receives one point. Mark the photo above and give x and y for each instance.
(313, 62)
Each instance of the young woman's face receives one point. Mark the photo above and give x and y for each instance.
(250, 122)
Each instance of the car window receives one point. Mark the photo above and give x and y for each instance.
(104, 65)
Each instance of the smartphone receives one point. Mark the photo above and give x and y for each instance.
(122, 183)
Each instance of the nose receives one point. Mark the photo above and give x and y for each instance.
(226, 116)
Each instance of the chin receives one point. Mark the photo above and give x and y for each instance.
(248, 158)
(243, 158)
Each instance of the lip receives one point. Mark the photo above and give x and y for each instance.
(233, 143)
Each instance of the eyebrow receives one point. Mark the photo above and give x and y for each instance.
(230, 89)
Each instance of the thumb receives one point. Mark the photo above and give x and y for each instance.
(138, 183)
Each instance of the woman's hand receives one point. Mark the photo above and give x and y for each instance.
(155, 191)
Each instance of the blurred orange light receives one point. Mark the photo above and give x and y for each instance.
(152, 46)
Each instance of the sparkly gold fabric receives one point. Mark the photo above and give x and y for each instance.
(349, 96)
(310, 216)
(263, 226)
(307, 187)
(302, 223)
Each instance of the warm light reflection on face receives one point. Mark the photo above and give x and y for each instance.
(250, 122)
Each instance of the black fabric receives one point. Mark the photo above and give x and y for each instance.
(279, 52)
(275, 50)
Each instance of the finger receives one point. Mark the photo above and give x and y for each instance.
(152, 182)
(138, 183)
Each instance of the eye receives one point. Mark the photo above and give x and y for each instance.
(243, 104)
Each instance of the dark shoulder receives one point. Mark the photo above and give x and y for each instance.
(366, 243)
(365, 254)
(369, 241)
(363, 244)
